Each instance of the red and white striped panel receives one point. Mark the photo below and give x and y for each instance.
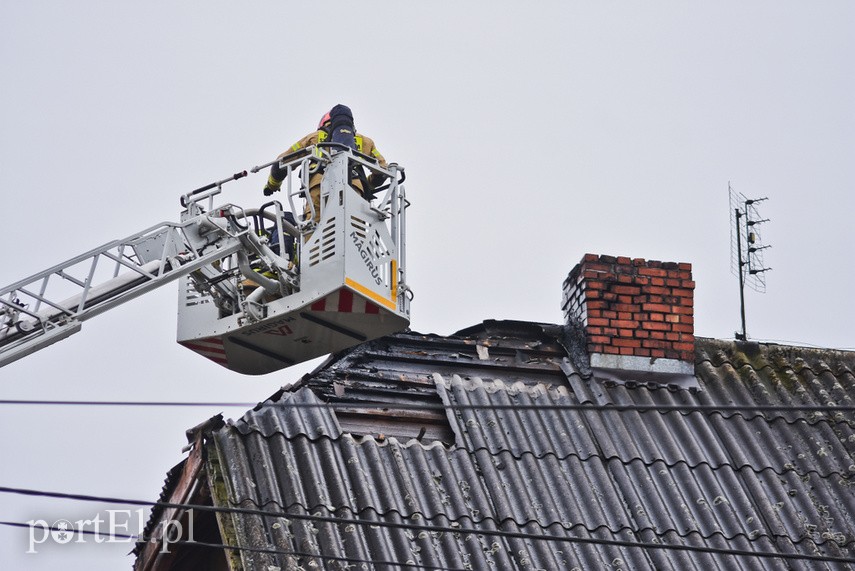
(343, 301)
(212, 348)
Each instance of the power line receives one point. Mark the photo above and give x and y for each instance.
(434, 528)
(441, 407)
(268, 550)
(127, 403)
(804, 344)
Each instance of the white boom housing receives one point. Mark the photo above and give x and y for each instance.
(259, 290)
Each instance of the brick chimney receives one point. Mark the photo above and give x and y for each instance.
(637, 315)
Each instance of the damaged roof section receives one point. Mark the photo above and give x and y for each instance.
(491, 449)
(387, 388)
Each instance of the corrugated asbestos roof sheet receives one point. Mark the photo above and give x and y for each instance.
(511, 480)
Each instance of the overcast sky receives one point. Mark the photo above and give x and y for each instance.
(532, 133)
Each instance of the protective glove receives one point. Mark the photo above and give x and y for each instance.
(273, 185)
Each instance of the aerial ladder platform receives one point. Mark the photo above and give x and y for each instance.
(260, 289)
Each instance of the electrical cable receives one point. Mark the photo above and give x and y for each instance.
(129, 403)
(434, 528)
(803, 344)
(442, 407)
(268, 550)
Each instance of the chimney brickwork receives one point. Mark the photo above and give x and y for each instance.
(632, 308)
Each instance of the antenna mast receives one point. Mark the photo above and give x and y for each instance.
(746, 248)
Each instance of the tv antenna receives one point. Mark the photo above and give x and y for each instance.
(746, 248)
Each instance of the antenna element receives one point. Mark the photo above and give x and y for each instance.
(746, 248)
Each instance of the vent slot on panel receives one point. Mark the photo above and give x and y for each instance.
(325, 248)
(360, 227)
(194, 296)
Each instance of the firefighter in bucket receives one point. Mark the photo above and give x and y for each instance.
(336, 126)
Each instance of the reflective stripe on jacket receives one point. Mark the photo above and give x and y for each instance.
(364, 145)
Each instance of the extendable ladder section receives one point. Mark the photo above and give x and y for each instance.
(51, 305)
(261, 290)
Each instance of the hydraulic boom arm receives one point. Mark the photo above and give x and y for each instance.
(259, 289)
(52, 304)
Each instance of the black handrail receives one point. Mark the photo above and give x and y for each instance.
(202, 189)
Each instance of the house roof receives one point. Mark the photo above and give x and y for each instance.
(496, 447)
